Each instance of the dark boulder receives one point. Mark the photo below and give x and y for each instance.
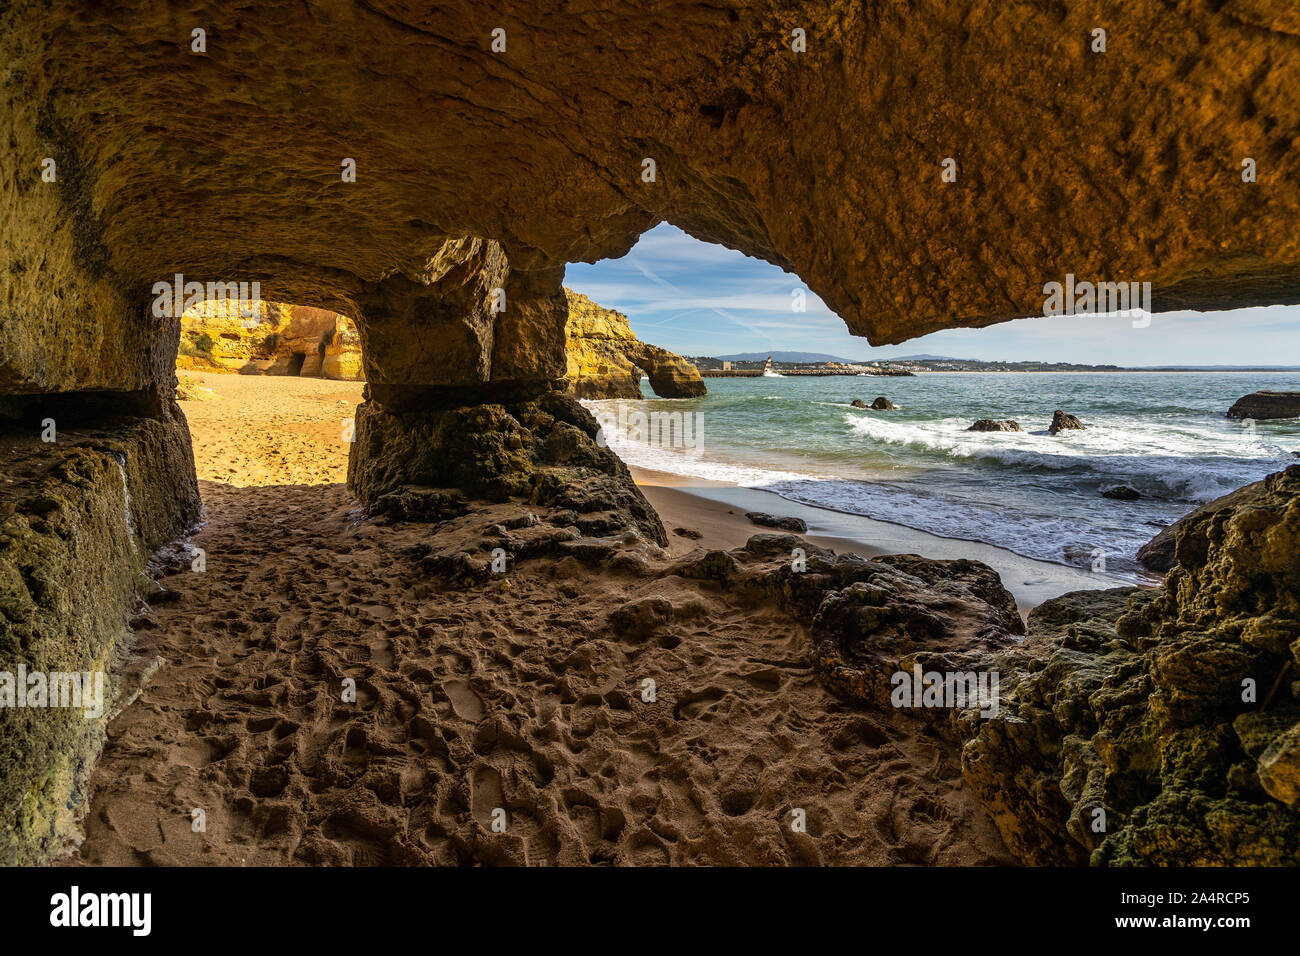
(994, 425)
(1122, 493)
(1266, 405)
(797, 525)
(882, 404)
(1063, 422)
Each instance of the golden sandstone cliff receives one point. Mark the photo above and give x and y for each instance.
(269, 338)
(604, 358)
(436, 190)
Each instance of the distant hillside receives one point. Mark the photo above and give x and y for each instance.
(784, 357)
(805, 357)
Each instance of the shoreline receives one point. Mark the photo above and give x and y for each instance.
(716, 510)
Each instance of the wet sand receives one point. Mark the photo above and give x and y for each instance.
(717, 510)
(514, 701)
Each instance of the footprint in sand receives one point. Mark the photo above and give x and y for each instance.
(741, 790)
(698, 704)
(485, 795)
(381, 653)
(467, 704)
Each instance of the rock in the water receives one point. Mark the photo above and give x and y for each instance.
(994, 425)
(1063, 422)
(538, 169)
(797, 525)
(605, 358)
(1266, 405)
(1122, 493)
(883, 404)
(859, 403)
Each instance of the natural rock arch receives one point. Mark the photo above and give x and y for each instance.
(1123, 165)
(605, 359)
(1060, 151)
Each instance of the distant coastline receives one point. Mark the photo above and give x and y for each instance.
(713, 367)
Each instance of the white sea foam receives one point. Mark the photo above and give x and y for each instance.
(1184, 464)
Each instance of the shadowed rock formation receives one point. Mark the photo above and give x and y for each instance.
(79, 519)
(1134, 726)
(1161, 552)
(542, 452)
(605, 358)
(1122, 493)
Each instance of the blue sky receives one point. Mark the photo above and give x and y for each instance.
(701, 299)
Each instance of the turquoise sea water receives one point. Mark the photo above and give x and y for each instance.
(1163, 434)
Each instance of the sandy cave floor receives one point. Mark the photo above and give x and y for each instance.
(515, 695)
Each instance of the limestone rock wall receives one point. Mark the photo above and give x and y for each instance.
(605, 359)
(272, 339)
(79, 519)
(473, 320)
(1172, 710)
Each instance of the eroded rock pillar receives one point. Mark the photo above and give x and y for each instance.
(463, 397)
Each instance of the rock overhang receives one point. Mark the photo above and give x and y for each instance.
(226, 163)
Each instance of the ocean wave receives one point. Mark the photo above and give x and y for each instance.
(1185, 464)
(1028, 492)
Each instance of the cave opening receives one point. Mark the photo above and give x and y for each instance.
(269, 338)
(269, 391)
